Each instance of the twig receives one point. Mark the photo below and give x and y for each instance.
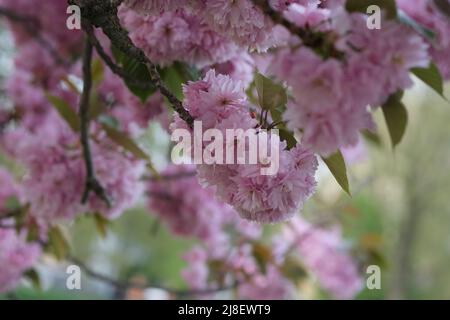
(117, 70)
(309, 37)
(123, 285)
(103, 15)
(92, 183)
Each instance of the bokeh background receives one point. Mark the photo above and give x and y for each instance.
(399, 212)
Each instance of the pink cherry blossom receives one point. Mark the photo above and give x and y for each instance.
(323, 253)
(220, 102)
(16, 257)
(177, 36)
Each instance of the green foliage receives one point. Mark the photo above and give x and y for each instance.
(336, 164)
(432, 77)
(372, 137)
(263, 255)
(34, 277)
(272, 97)
(12, 204)
(178, 74)
(102, 224)
(136, 71)
(128, 144)
(58, 242)
(396, 117)
(98, 71)
(65, 111)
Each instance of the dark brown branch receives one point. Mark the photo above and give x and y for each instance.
(32, 27)
(103, 15)
(123, 285)
(92, 183)
(443, 6)
(315, 40)
(117, 70)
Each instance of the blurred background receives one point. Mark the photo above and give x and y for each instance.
(399, 212)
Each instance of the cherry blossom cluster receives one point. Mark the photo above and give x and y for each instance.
(232, 249)
(221, 103)
(324, 254)
(16, 255)
(426, 13)
(351, 68)
(334, 70)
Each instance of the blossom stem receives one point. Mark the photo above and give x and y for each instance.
(309, 37)
(124, 285)
(117, 70)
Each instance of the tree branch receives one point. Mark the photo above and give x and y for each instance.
(92, 183)
(103, 15)
(117, 70)
(315, 40)
(123, 285)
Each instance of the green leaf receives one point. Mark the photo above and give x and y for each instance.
(432, 77)
(98, 71)
(137, 71)
(58, 242)
(293, 269)
(12, 204)
(361, 6)
(270, 94)
(396, 118)
(65, 111)
(187, 72)
(336, 164)
(263, 255)
(273, 97)
(96, 106)
(288, 136)
(33, 232)
(421, 29)
(109, 120)
(126, 142)
(372, 137)
(34, 277)
(102, 224)
(174, 80)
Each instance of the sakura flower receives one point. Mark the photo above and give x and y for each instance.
(185, 206)
(426, 14)
(177, 36)
(16, 257)
(324, 254)
(220, 102)
(9, 189)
